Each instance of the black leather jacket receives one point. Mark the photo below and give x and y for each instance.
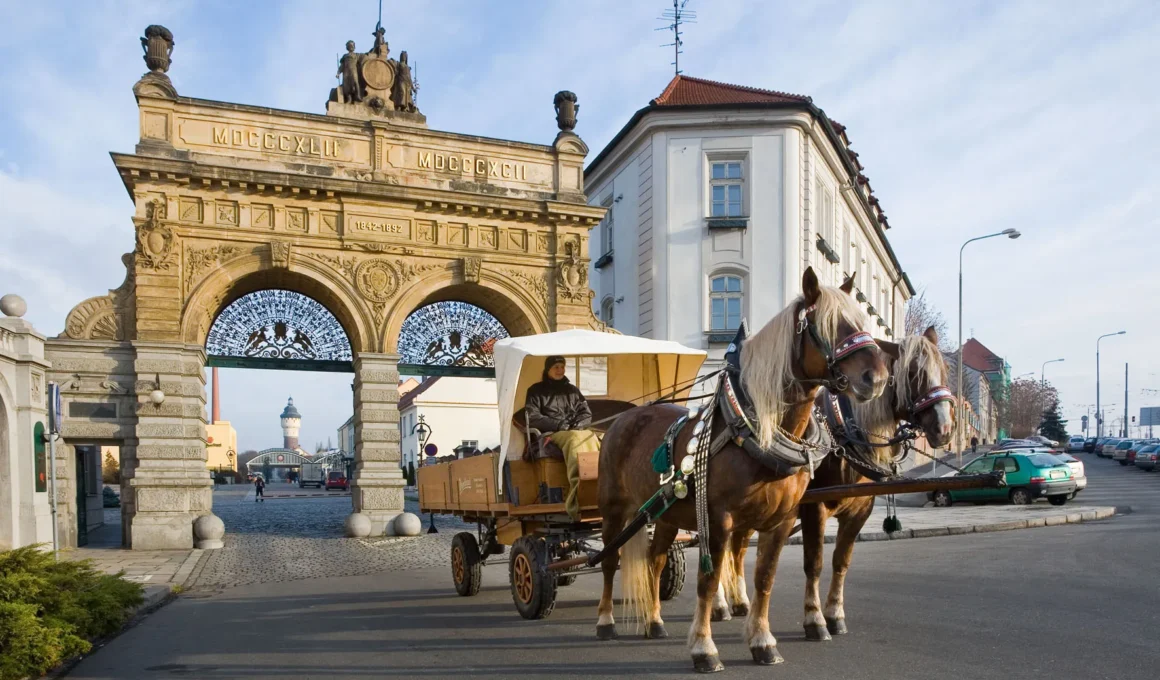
(556, 405)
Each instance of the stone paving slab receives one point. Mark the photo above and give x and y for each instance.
(955, 521)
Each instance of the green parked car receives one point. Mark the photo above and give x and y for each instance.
(1029, 476)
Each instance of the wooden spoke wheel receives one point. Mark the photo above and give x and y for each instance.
(533, 587)
(466, 564)
(673, 575)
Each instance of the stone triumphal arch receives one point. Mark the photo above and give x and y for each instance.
(365, 210)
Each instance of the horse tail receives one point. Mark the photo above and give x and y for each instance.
(636, 581)
(728, 578)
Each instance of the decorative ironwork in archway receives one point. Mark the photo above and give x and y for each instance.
(449, 334)
(270, 328)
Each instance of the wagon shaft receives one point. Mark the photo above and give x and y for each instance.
(990, 480)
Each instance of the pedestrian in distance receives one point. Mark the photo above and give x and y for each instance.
(259, 485)
(974, 444)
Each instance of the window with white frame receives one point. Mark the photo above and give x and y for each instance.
(726, 295)
(727, 188)
(606, 227)
(825, 221)
(608, 310)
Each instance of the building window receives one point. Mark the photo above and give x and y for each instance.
(470, 444)
(725, 295)
(607, 311)
(725, 183)
(825, 221)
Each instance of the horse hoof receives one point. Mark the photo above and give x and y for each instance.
(720, 614)
(766, 656)
(707, 663)
(656, 631)
(740, 610)
(836, 626)
(816, 633)
(606, 631)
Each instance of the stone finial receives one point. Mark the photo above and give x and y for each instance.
(13, 305)
(566, 108)
(158, 45)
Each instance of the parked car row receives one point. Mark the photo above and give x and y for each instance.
(1031, 470)
(1143, 453)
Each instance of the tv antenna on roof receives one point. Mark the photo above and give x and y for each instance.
(677, 16)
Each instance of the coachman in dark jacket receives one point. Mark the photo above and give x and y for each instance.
(556, 407)
(554, 404)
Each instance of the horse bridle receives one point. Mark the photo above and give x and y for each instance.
(859, 340)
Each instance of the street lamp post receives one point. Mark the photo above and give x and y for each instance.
(1099, 413)
(1042, 381)
(1009, 233)
(424, 432)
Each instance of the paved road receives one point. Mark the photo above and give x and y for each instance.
(1057, 602)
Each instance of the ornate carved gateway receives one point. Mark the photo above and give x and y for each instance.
(344, 224)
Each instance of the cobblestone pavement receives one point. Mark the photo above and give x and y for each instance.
(301, 538)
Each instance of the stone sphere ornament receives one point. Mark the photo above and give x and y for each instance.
(357, 525)
(208, 531)
(13, 305)
(408, 524)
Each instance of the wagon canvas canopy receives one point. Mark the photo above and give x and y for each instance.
(639, 370)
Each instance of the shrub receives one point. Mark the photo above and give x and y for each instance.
(49, 610)
(110, 498)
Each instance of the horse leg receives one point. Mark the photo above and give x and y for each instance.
(735, 583)
(663, 536)
(848, 528)
(701, 645)
(606, 624)
(813, 519)
(762, 644)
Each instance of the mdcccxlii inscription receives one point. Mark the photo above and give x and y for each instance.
(429, 160)
(264, 140)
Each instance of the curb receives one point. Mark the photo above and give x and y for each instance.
(1010, 525)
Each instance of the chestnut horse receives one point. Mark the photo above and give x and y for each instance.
(917, 394)
(781, 369)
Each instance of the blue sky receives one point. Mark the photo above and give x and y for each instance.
(970, 117)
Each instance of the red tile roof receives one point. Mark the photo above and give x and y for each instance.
(977, 356)
(688, 91)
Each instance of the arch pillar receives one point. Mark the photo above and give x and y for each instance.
(166, 485)
(377, 487)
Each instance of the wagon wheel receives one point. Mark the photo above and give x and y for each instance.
(673, 575)
(533, 588)
(465, 564)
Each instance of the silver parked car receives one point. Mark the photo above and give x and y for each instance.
(1109, 447)
(1147, 457)
(1075, 444)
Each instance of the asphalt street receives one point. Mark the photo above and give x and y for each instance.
(1074, 601)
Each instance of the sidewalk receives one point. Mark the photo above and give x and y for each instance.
(957, 520)
(159, 571)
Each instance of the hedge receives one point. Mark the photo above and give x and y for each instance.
(50, 610)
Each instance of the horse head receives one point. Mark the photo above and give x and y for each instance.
(920, 392)
(837, 350)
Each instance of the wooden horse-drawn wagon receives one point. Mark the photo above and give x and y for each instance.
(517, 497)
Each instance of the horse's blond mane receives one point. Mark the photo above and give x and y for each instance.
(876, 416)
(767, 357)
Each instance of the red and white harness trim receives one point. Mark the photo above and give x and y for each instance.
(935, 395)
(852, 344)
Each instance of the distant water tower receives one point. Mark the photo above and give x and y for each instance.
(291, 422)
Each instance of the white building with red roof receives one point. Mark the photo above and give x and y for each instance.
(719, 197)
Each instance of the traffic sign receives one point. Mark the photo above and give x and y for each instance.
(431, 450)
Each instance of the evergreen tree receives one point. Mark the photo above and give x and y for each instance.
(1053, 426)
(110, 469)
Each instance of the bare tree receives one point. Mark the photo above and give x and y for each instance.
(1021, 409)
(920, 315)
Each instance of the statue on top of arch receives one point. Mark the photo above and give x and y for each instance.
(372, 83)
